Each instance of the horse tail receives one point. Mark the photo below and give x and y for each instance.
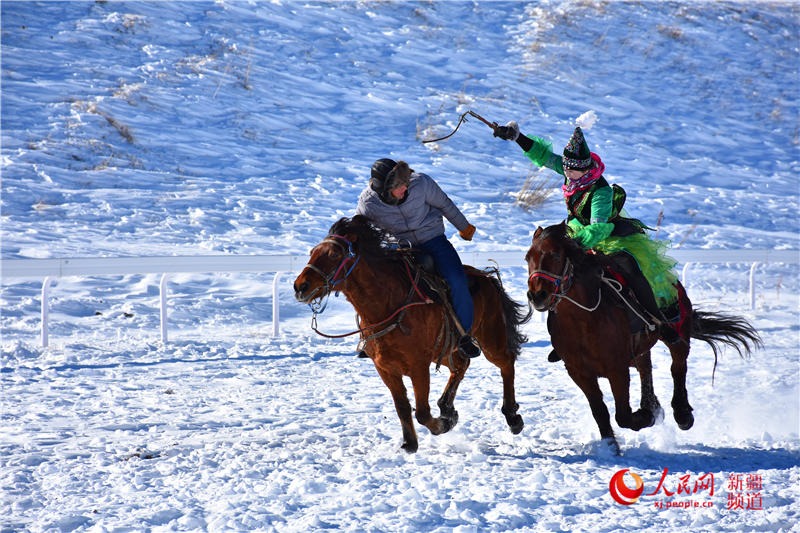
(717, 328)
(514, 316)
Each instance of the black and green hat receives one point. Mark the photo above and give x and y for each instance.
(576, 153)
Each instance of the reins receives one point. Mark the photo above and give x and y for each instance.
(368, 327)
(578, 304)
(331, 282)
(563, 283)
(616, 286)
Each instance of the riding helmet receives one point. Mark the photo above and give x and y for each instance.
(380, 169)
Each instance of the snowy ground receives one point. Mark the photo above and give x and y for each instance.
(195, 128)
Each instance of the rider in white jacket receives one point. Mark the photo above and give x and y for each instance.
(412, 207)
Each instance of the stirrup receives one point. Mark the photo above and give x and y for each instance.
(468, 348)
(669, 334)
(666, 331)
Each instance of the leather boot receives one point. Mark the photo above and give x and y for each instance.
(468, 347)
(645, 296)
(639, 286)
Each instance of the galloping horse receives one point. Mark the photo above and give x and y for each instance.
(590, 328)
(405, 331)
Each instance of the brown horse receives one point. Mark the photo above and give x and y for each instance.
(404, 330)
(592, 327)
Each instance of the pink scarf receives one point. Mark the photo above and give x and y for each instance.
(585, 181)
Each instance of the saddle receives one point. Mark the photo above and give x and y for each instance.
(674, 314)
(423, 273)
(430, 281)
(635, 321)
(429, 284)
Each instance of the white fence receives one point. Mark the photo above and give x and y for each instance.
(47, 269)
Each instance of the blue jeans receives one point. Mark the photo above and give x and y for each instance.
(449, 266)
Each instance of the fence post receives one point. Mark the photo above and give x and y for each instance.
(753, 286)
(276, 308)
(162, 292)
(683, 274)
(45, 311)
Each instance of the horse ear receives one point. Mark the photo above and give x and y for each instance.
(536, 233)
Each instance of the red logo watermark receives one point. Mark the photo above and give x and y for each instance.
(744, 492)
(687, 491)
(621, 493)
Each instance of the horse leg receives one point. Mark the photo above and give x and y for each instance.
(510, 405)
(620, 386)
(649, 402)
(505, 362)
(591, 389)
(620, 381)
(681, 409)
(421, 380)
(497, 313)
(446, 403)
(403, 408)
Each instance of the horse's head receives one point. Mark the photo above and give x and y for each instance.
(333, 260)
(549, 266)
(330, 263)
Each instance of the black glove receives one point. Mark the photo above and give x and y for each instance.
(509, 132)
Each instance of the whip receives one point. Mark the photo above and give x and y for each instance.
(461, 120)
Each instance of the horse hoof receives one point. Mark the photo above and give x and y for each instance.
(684, 420)
(449, 421)
(643, 418)
(683, 417)
(513, 420)
(410, 447)
(516, 424)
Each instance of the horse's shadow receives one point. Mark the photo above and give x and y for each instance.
(689, 457)
(697, 457)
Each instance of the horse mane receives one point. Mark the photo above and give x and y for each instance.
(584, 263)
(372, 241)
(580, 259)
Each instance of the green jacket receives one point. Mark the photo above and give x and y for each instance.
(590, 212)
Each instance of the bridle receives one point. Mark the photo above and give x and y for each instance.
(337, 276)
(333, 279)
(562, 282)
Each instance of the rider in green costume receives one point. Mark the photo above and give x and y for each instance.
(597, 221)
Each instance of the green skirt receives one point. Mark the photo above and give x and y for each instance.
(651, 257)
